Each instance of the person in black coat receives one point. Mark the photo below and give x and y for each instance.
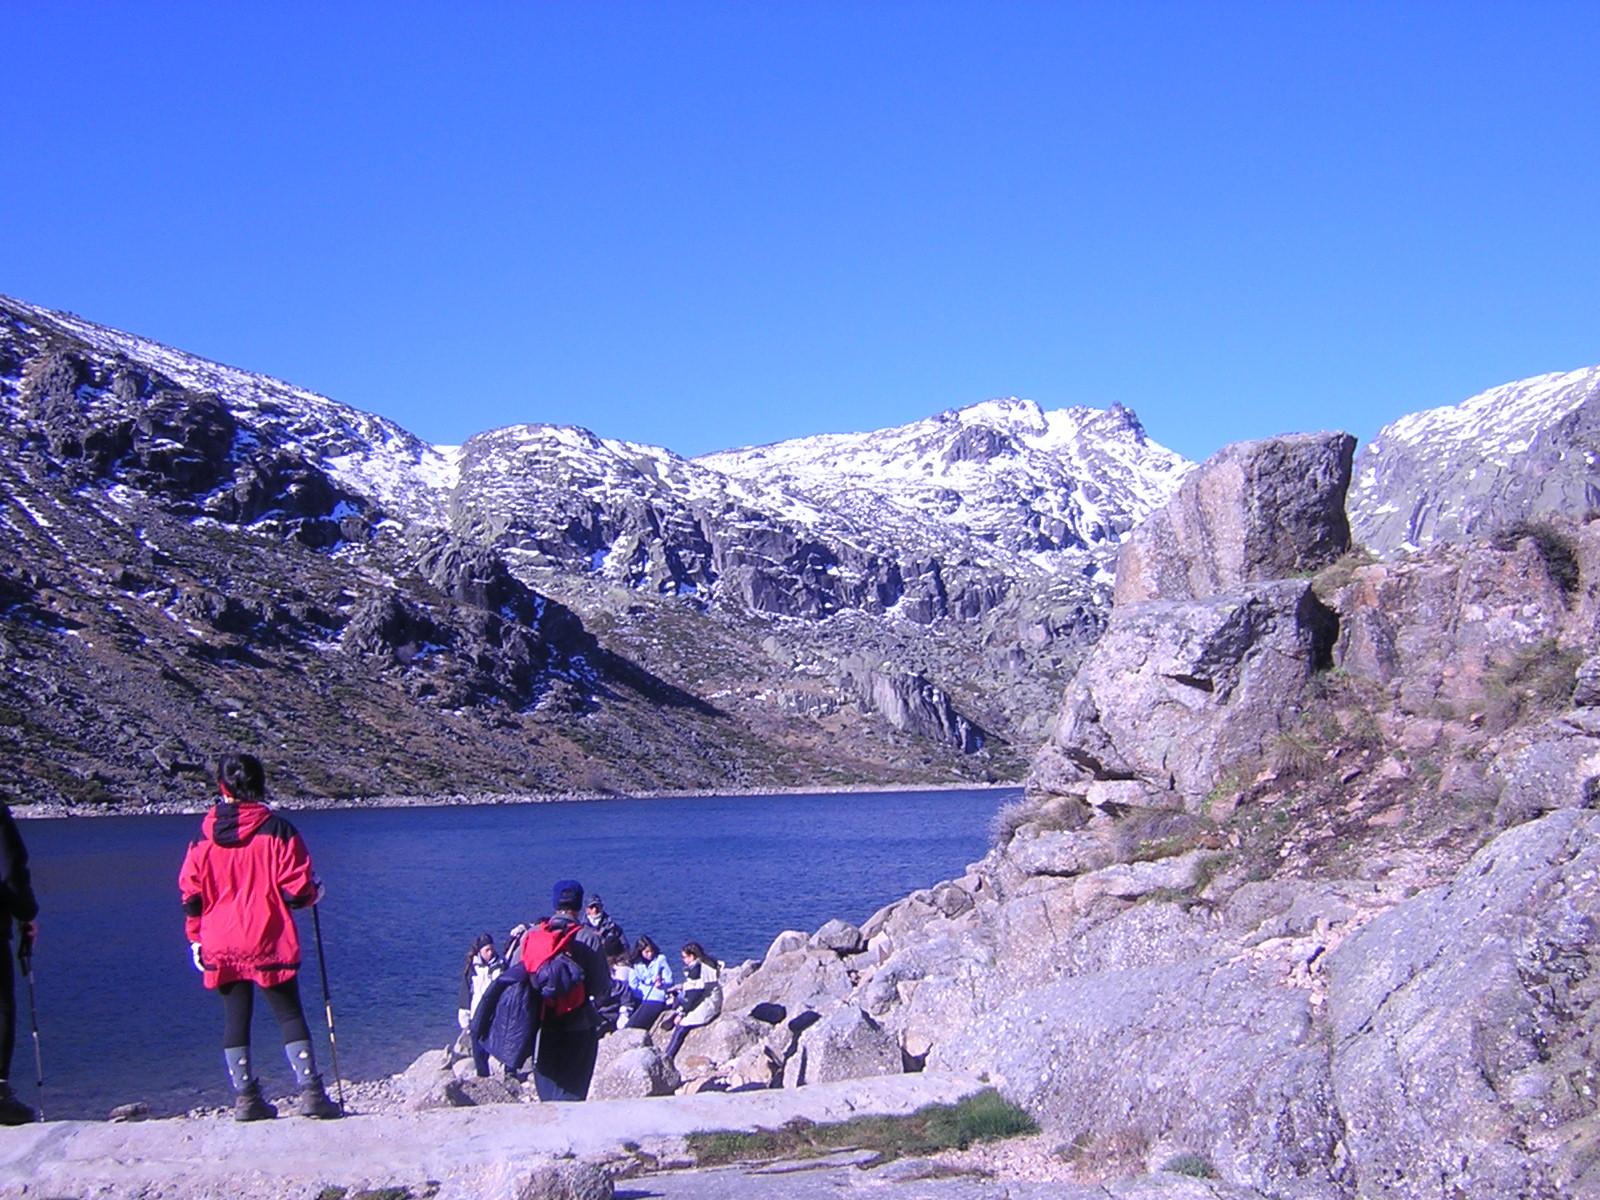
(17, 904)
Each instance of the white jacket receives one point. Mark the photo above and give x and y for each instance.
(710, 1005)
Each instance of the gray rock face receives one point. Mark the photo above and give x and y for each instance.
(1170, 1052)
(1254, 511)
(1436, 627)
(797, 980)
(564, 1181)
(1524, 451)
(1464, 1023)
(1176, 693)
(839, 936)
(629, 1066)
(847, 1044)
(1559, 769)
(914, 704)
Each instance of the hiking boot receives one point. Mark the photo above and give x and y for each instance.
(12, 1110)
(248, 1104)
(314, 1101)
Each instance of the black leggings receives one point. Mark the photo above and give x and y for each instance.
(8, 1009)
(284, 1000)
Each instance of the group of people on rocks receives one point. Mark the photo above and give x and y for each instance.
(562, 983)
(524, 1004)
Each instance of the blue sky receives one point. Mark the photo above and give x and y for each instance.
(704, 225)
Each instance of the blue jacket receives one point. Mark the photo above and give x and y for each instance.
(650, 980)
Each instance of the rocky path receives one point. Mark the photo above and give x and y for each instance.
(484, 1153)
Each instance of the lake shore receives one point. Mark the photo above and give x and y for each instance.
(33, 812)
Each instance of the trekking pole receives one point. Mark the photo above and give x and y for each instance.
(25, 957)
(327, 1006)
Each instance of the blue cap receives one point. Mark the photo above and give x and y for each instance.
(568, 893)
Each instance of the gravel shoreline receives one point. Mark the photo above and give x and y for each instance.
(481, 799)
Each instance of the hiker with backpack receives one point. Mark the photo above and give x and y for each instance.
(650, 979)
(239, 881)
(702, 994)
(544, 1004)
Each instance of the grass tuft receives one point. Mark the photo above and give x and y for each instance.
(984, 1117)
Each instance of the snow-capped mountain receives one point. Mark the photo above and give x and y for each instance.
(1003, 472)
(538, 607)
(1517, 452)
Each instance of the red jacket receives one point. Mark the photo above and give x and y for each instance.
(239, 881)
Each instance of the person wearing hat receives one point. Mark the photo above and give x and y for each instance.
(612, 940)
(563, 1062)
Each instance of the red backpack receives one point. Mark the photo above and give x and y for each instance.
(552, 971)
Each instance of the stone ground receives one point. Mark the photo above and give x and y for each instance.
(471, 1152)
(492, 1152)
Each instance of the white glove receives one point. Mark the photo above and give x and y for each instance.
(194, 953)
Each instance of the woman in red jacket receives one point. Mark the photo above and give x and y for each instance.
(239, 880)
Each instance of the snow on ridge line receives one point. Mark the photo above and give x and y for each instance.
(1500, 413)
(405, 472)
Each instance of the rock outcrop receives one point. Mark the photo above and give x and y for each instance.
(1304, 890)
(1210, 644)
(1523, 452)
(1253, 511)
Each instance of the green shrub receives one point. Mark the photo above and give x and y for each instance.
(1533, 679)
(986, 1116)
(1193, 1165)
(1556, 550)
(1327, 582)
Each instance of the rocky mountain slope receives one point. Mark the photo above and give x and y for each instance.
(1303, 897)
(197, 555)
(1522, 451)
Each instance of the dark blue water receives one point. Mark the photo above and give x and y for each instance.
(123, 1015)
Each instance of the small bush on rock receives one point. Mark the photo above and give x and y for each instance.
(984, 1117)
(1193, 1165)
(1533, 679)
(1555, 547)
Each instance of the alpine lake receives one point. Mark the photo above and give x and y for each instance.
(123, 1017)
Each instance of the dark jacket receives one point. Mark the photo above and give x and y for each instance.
(587, 952)
(612, 939)
(17, 901)
(507, 1017)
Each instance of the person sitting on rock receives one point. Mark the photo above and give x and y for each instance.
(617, 1005)
(482, 966)
(702, 994)
(650, 980)
(239, 881)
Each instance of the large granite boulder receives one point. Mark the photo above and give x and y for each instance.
(1253, 511)
(1179, 692)
(1465, 1024)
(1170, 1053)
(795, 979)
(629, 1066)
(847, 1044)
